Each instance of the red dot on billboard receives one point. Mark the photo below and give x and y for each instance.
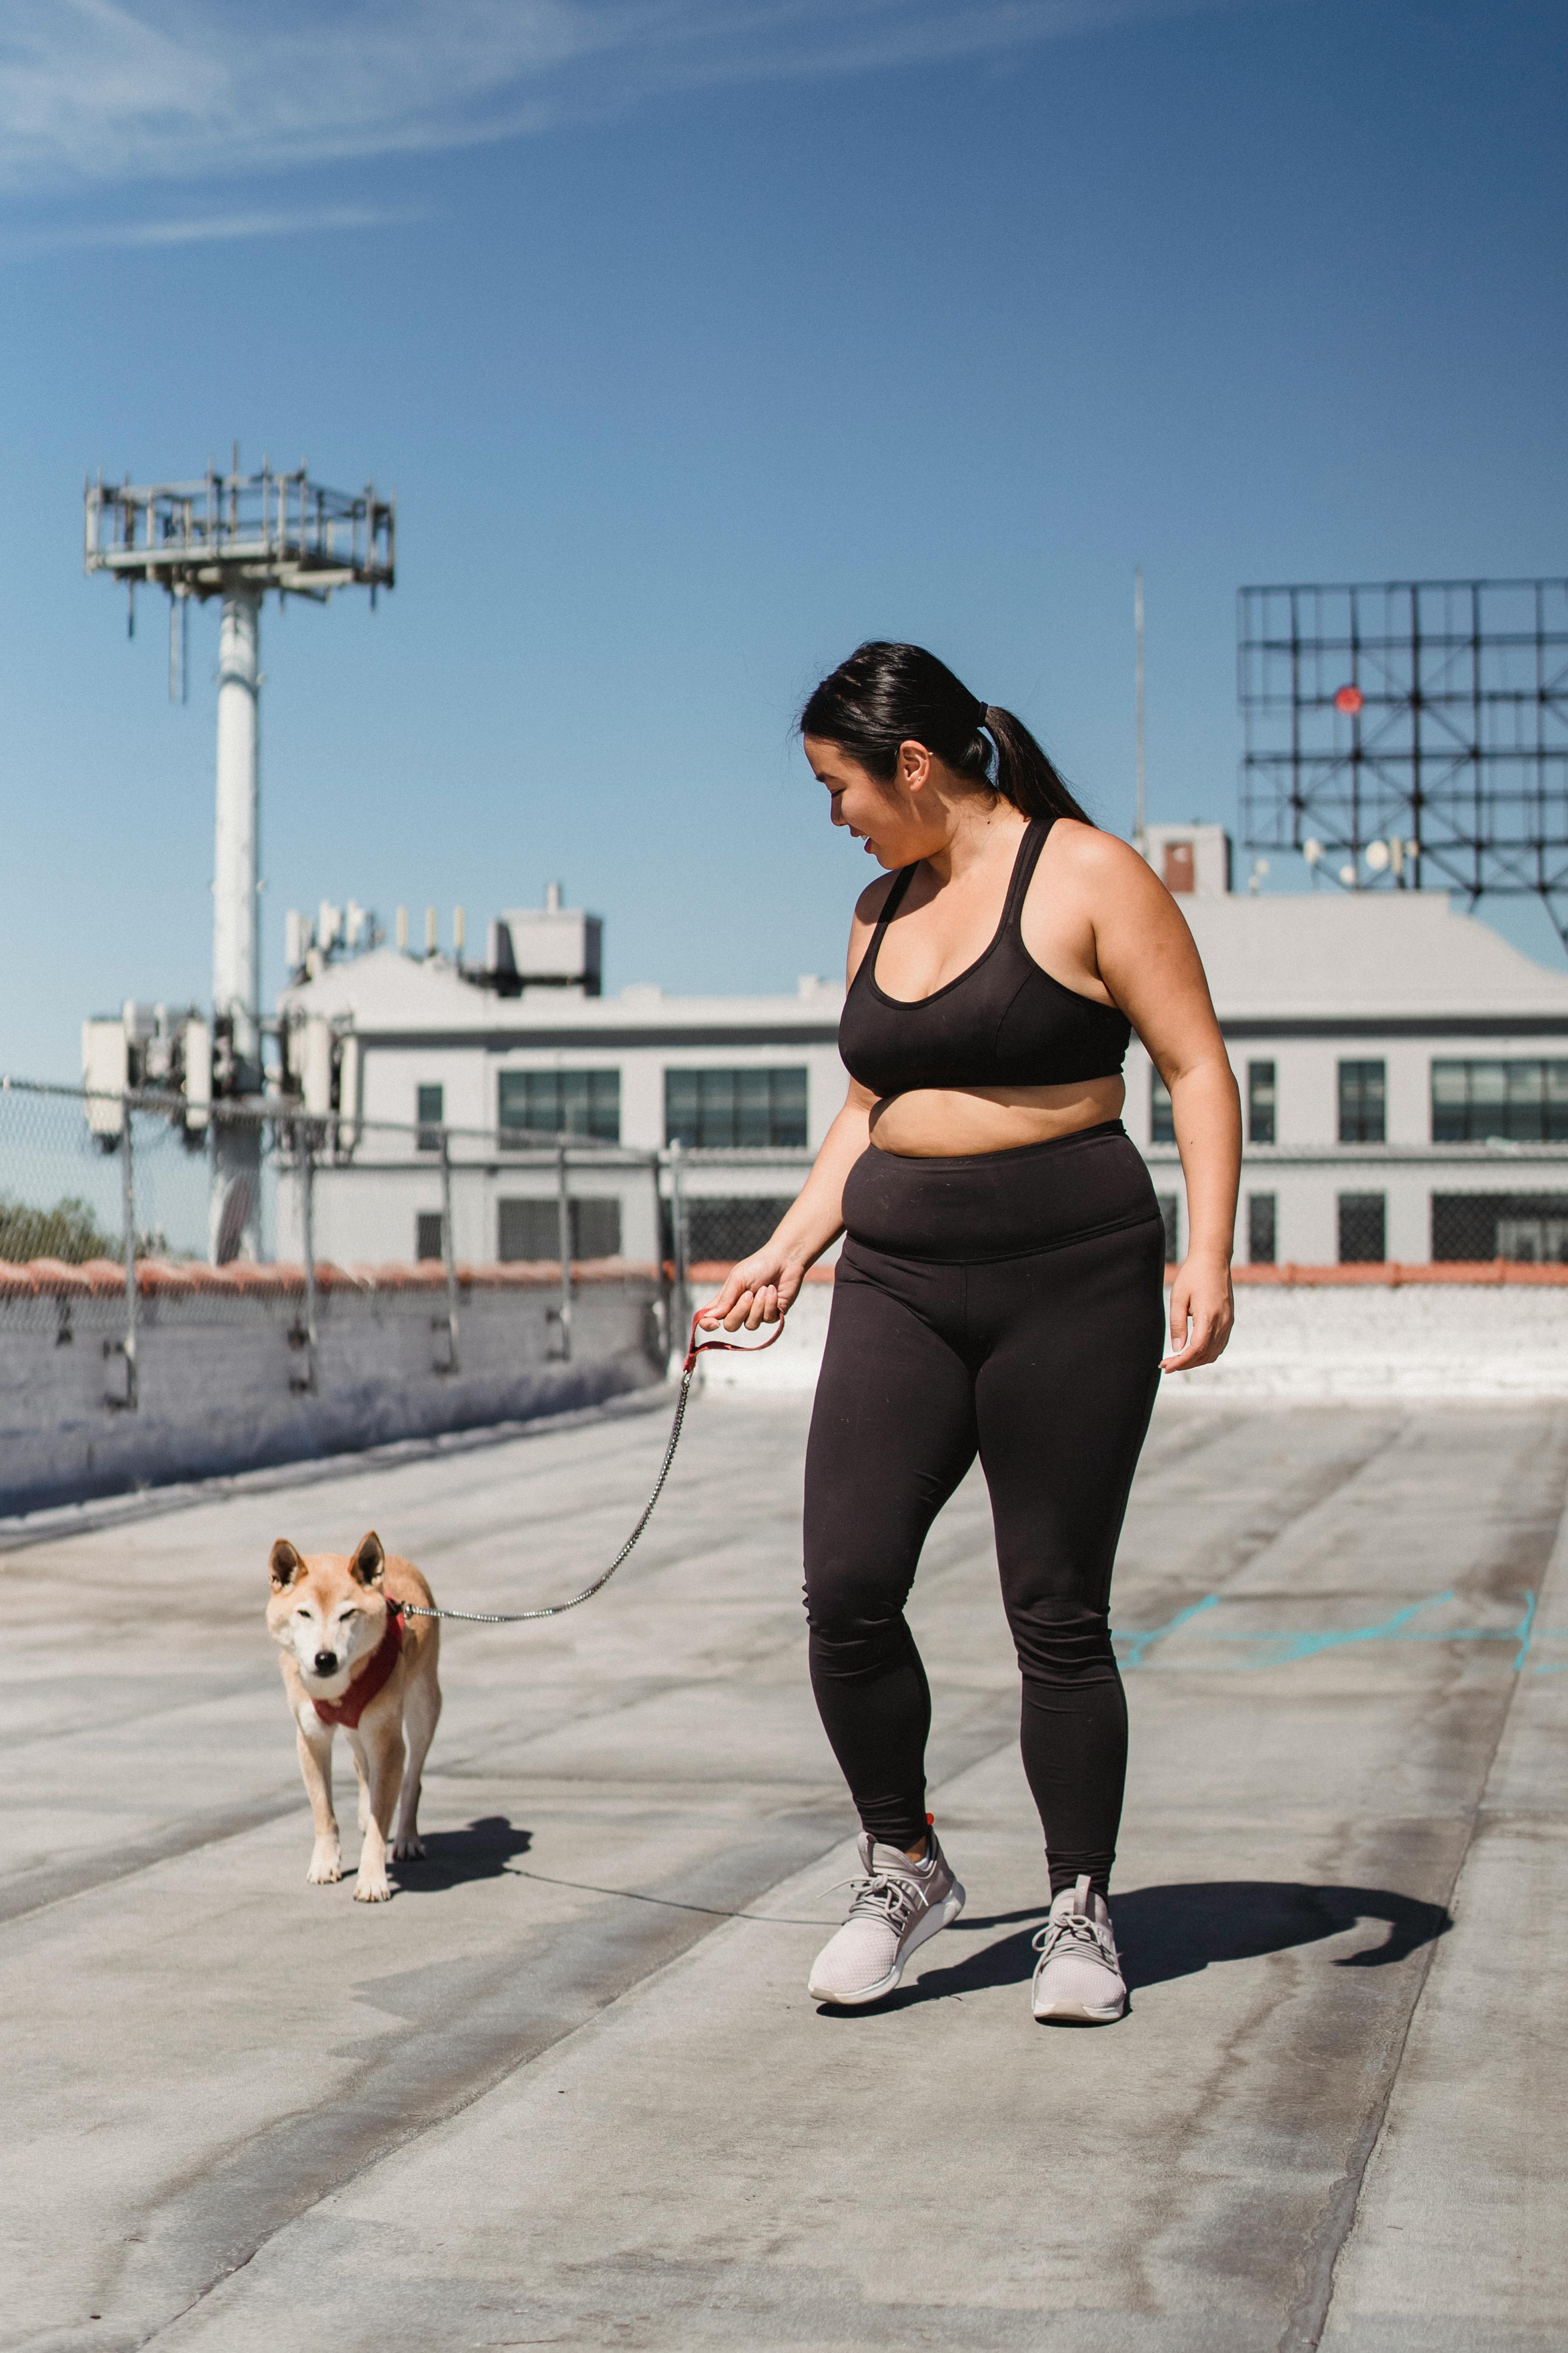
(1349, 697)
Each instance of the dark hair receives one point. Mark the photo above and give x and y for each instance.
(885, 695)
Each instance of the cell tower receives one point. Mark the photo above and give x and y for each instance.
(1416, 731)
(237, 537)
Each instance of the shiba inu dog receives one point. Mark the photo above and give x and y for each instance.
(349, 1657)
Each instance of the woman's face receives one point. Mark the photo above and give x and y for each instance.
(888, 818)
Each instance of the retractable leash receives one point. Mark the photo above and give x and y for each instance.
(519, 1617)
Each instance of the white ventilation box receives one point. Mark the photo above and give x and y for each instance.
(105, 1072)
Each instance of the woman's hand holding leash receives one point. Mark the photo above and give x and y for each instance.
(760, 1289)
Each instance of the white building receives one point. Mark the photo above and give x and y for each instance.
(528, 1049)
(1404, 1073)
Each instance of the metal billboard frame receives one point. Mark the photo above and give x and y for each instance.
(1429, 716)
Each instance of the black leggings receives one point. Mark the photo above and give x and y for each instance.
(1008, 1304)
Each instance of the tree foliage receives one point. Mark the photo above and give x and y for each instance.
(68, 1230)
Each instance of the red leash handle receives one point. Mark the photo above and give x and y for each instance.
(732, 1347)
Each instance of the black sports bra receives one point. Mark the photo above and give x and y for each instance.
(1003, 1022)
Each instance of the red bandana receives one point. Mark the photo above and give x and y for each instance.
(364, 1689)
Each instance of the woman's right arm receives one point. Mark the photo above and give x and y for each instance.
(763, 1287)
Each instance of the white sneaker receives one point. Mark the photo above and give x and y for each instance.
(896, 1904)
(1077, 1977)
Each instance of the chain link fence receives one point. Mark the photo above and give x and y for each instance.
(112, 1199)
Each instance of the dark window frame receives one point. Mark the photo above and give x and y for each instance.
(596, 1224)
(737, 1107)
(1507, 1099)
(1262, 1103)
(1363, 1101)
(582, 1105)
(1362, 1219)
(430, 1118)
(1161, 1113)
(1263, 1229)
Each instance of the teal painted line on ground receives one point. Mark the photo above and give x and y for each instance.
(1525, 1625)
(1183, 1616)
(1296, 1646)
(1288, 1649)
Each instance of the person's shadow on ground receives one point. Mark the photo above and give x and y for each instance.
(452, 1858)
(1174, 1932)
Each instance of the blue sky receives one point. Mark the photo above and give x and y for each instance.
(700, 339)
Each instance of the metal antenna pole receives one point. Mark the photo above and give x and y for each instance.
(1140, 808)
(236, 947)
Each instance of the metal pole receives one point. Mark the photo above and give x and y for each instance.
(308, 1249)
(563, 1244)
(133, 1301)
(677, 1242)
(1141, 810)
(449, 1254)
(235, 1224)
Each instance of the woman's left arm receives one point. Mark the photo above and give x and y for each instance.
(1147, 959)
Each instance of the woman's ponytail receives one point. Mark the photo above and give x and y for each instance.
(1024, 775)
(885, 695)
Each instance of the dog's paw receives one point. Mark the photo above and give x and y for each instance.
(326, 1867)
(372, 1891)
(412, 1844)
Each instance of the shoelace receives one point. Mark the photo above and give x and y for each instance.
(1075, 1928)
(884, 1896)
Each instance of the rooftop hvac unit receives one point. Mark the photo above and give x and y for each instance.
(105, 1073)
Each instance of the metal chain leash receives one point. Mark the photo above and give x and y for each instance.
(521, 1617)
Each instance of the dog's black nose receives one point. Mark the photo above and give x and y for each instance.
(326, 1663)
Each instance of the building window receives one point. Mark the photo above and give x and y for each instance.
(1532, 1227)
(1162, 1118)
(1170, 1211)
(710, 1109)
(429, 1232)
(1262, 1228)
(561, 1103)
(1260, 1102)
(1363, 1089)
(1517, 1102)
(430, 1112)
(1363, 1224)
(728, 1226)
(531, 1230)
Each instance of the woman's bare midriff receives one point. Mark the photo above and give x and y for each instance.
(941, 1122)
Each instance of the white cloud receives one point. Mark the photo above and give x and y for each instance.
(208, 229)
(95, 91)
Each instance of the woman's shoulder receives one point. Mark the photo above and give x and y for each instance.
(1079, 854)
(873, 899)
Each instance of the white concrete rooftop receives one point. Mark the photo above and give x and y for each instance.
(567, 2088)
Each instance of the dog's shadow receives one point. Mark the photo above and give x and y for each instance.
(453, 1858)
(1174, 1932)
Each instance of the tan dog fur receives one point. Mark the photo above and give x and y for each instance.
(332, 1605)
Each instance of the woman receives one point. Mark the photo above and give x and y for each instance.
(999, 1290)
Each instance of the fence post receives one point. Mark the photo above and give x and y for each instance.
(449, 1255)
(678, 1252)
(305, 1382)
(127, 1346)
(562, 1313)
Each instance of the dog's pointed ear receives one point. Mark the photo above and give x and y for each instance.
(285, 1565)
(369, 1560)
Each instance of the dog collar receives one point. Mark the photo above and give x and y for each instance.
(364, 1689)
